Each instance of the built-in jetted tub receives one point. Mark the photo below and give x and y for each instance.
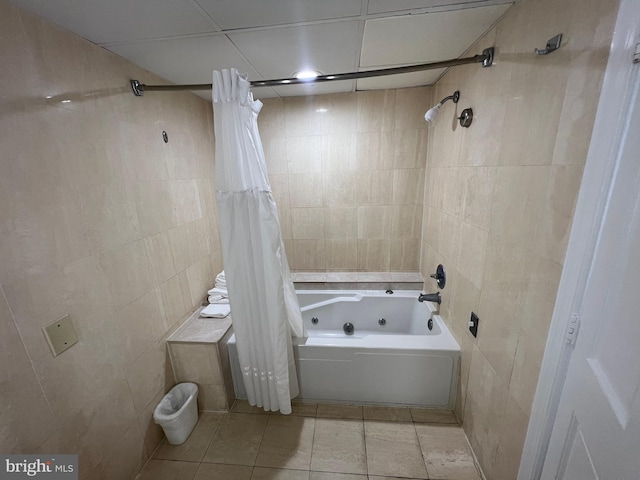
(395, 351)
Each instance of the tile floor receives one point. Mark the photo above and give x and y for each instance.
(318, 442)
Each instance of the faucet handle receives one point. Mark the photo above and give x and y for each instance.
(440, 276)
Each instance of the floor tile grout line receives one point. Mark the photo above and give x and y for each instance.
(264, 432)
(195, 472)
(266, 426)
(361, 420)
(424, 457)
(213, 434)
(476, 462)
(364, 437)
(215, 430)
(313, 441)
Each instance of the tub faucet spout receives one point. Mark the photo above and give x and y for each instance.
(430, 297)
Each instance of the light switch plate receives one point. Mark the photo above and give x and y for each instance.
(61, 335)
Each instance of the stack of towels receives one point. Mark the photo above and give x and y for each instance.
(218, 294)
(218, 299)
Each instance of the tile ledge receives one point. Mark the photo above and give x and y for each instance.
(201, 330)
(343, 277)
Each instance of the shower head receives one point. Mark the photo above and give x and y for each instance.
(432, 113)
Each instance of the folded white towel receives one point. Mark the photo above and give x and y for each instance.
(221, 276)
(218, 299)
(221, 284)
(215, 311)
(218, 291)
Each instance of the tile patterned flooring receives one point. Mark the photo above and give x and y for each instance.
(318, 442)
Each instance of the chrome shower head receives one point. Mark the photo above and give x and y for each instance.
(432, 113)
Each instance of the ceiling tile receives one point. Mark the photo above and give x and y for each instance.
(249, 13)
(425, 38)
(278, 53)
(105, 21)
(187, 60)
(387, 6)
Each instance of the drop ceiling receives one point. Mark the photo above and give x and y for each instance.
(184, 40)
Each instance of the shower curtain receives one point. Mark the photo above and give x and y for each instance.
(264, 307)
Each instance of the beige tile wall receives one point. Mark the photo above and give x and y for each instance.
(347, 173)
(201, 364)
(499, 202)
(102, 220)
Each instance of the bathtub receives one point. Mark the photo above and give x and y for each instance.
(391, 358)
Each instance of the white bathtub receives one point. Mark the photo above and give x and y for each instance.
(399, 363)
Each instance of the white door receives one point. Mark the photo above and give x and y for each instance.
(596, 434)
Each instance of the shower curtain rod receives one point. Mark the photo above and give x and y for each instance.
(486, 58)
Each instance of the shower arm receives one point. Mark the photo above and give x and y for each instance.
(486, 58)
(455, 97)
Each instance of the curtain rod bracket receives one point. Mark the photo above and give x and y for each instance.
(552, 45)
(137, 87)
(488, 57)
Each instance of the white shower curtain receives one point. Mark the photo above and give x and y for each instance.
(264, 306)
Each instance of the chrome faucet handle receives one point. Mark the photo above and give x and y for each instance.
(440, 276)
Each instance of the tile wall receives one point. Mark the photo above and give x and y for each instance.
(499, 202)
(102, 220)
(347, 172)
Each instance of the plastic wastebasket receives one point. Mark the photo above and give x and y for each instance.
(177, 412)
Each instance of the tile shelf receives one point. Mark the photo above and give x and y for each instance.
(199, 354)
(358, 280)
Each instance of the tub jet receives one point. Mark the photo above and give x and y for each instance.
(348, 328)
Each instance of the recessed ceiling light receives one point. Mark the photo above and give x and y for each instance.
(307, 74)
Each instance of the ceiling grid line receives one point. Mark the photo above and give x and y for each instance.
(364, 8)
(203, 12)
(253, 66)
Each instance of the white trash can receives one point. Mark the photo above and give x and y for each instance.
(177, 412)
